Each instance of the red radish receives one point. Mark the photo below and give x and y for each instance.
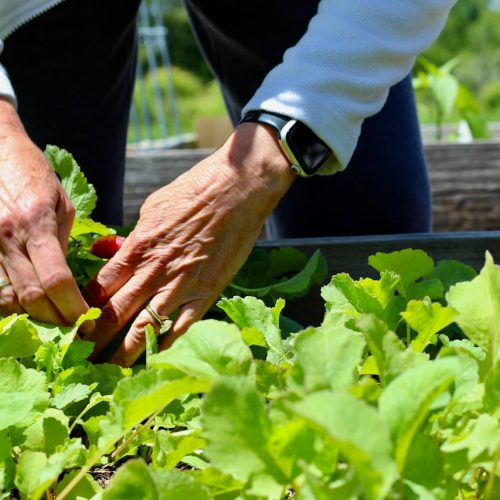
(106, 246)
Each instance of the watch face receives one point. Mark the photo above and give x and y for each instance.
(310, 151)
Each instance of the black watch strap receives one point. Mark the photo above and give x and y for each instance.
(273, 119)
(305, 151)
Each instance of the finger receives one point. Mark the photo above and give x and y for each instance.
(8, 298)
(135, 341)
(30, 294)
(65, 214)
(57, 281)
(111, 278)
(188, 314)
(165, 303)
(119, 310)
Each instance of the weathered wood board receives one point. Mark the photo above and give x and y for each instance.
(350, 255)
(465, 180)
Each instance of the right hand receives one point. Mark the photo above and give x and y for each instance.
(35, 221)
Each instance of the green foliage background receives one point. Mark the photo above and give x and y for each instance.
(472, 32)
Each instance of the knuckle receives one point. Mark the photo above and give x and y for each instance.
(136, 338)
(8, 298)
(111, 318)
(56, 281)
(142, 243)
(30, 295)
(7, 226)
(24, 215)
(70, 210)
(35, 210)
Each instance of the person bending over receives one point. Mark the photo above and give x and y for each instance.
(328, 77)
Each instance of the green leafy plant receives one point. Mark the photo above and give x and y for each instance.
(395, 394)
(448, 96)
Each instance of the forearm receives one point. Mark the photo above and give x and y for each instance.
(341, 70)
(254, 155)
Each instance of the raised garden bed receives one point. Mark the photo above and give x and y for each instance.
(350, 255)
(392, 394)
(360, 405)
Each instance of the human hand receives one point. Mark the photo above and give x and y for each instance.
(35, 221)
(192, 236)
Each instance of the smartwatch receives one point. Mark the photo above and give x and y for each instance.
(306, 152)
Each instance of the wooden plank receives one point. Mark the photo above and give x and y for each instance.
(350, 255)
(465, 181)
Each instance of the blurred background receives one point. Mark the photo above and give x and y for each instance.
(177, 102)
(174, 87)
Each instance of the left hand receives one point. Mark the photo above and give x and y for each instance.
(191, 238)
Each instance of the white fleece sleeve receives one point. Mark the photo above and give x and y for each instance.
(6, 89)
(340, 71)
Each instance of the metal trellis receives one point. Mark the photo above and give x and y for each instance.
(154, 117)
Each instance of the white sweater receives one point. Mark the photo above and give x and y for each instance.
(13, 14)
(338, 74)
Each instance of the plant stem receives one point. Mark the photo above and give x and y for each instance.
(98, 454)
(86, 409)
(136, 432)
(488, 491)
(81, 473)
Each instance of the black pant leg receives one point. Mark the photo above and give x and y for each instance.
(385, 188)
(73, 71)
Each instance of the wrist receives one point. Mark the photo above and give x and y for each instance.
(254, 151)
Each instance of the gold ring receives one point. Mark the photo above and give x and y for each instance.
(164, 322)
(4, 282)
